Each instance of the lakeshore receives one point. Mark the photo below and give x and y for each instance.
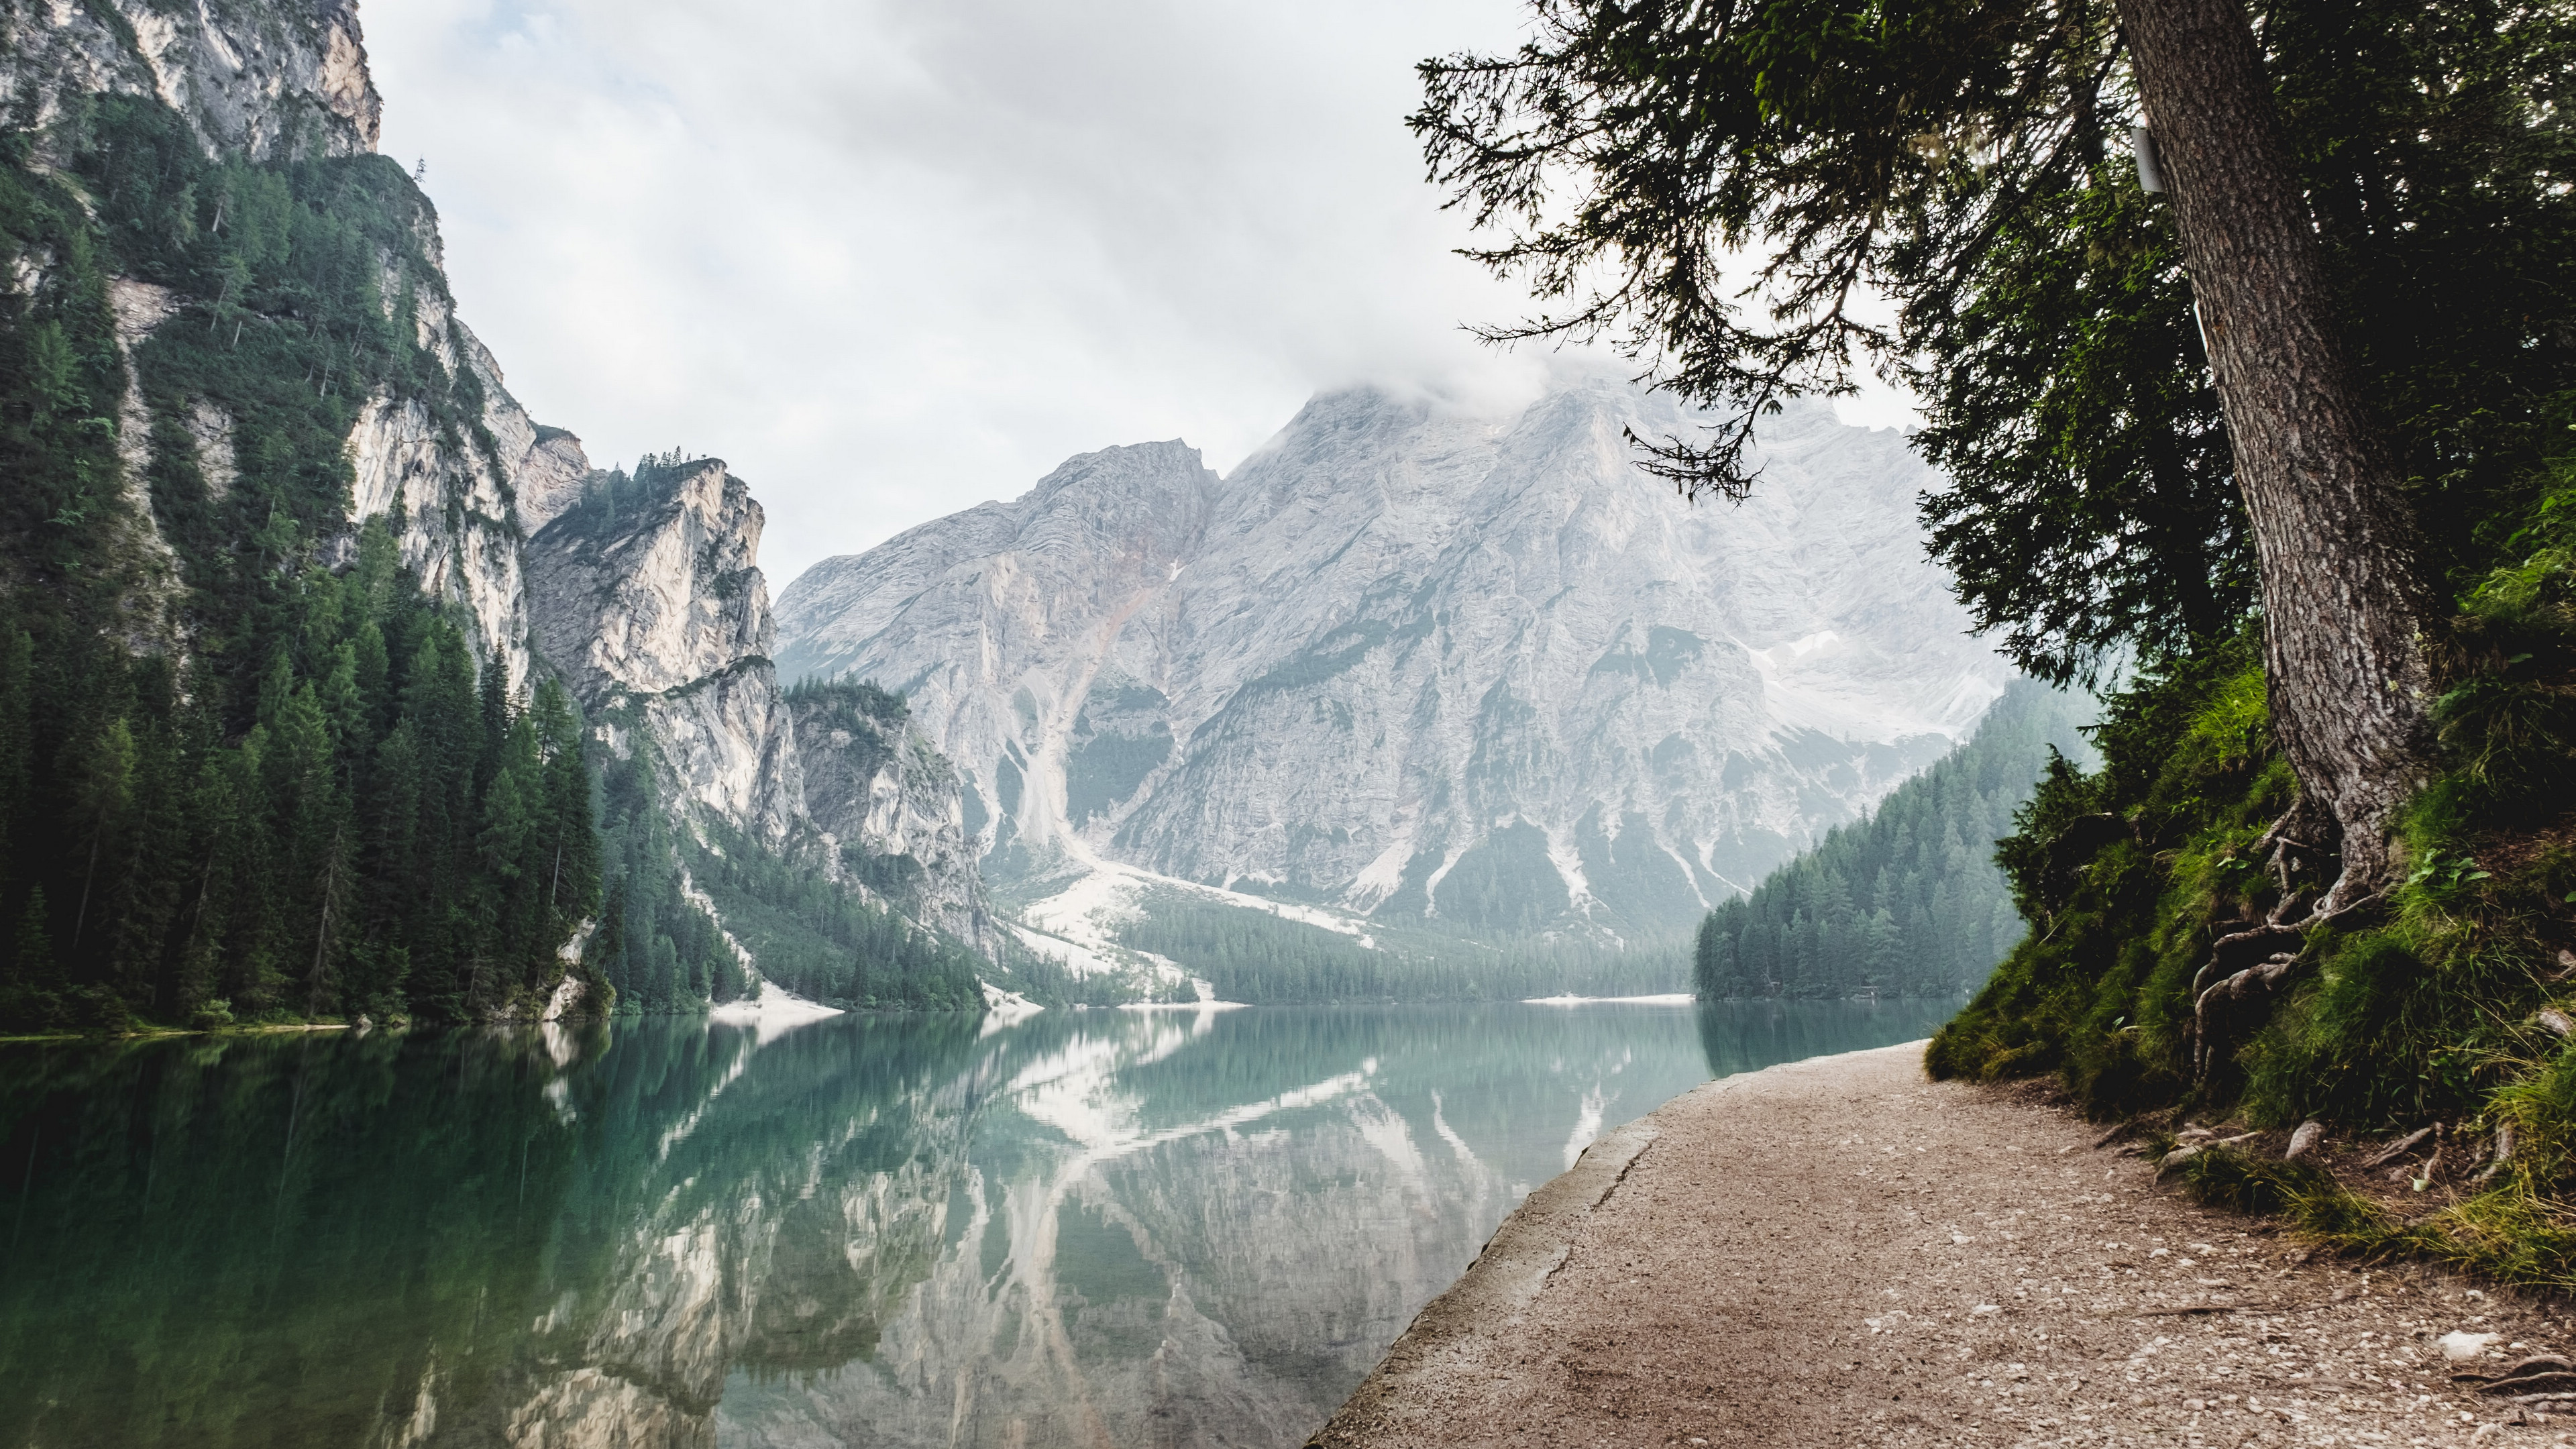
(1840, 1251)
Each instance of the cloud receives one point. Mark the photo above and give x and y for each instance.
(891, 259)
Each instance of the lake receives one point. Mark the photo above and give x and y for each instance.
(1096, 1228)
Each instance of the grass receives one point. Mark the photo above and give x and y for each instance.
(2514, 1232)
(2422, 1009)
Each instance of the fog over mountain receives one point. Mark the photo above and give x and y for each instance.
(1422, 660)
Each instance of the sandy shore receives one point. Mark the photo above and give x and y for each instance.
(1839, 1251)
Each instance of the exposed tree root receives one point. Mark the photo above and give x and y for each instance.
(2258, 980)
(2503, 1153)
(2539, 1374)
(2433, 1164)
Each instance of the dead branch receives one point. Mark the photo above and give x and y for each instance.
(2399, 1148)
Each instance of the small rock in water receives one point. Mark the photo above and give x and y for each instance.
(2459, 1346)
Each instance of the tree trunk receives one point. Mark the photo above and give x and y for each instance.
(2345, 602)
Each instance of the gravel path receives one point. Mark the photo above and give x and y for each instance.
(1839, 1251)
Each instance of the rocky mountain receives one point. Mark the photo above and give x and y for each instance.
(889, 806)
(646, 594)
(1423, 661)
(658, 617)
(284, 561)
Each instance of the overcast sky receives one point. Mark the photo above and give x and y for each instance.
(890, 258)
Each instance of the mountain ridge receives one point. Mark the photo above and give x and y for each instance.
(1490, 616)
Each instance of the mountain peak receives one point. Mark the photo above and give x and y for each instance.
(1422, 656)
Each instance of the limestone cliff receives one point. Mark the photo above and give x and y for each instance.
(458, 512)
(653, 608)
(262, 80)
(647, 596)
(890, 805)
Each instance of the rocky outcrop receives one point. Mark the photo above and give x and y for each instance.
(890, 806)
(262, 80)
(552, 469)
(651, 601)
(646, 595)
(1424, 661)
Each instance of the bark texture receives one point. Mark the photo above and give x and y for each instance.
(2345, 602)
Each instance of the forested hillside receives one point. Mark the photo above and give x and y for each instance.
(277, 738)
(1909, 901)
(245, 766)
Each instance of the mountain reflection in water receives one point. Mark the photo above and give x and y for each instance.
(1095, 1228)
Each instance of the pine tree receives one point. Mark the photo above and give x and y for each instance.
(103, 791)
(31, 948)
(17, 742)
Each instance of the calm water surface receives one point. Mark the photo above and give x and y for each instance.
(1196, 1228)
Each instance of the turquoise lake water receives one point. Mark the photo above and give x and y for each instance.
(1086, 1228)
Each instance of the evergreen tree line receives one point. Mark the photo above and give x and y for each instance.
(234, 782)
(1250, 955)
(611, 494)
(819, 939)
(656, 949)
(393, 831)
(1908, 901)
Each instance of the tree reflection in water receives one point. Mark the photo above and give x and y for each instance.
(1190, 1227)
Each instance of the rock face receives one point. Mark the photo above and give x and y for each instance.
(1424, 661)
(259, 79)
(647, 596)
(890, 805)
(654, 602)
